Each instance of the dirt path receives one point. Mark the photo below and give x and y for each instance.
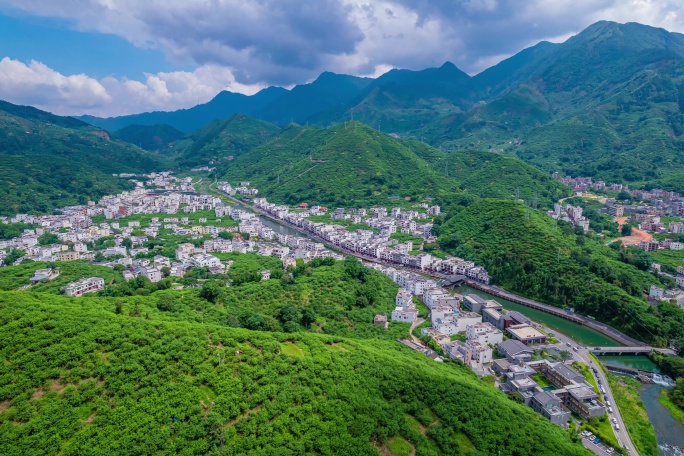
(635, 238)
(415, 323)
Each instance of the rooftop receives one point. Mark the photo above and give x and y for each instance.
(524, 332)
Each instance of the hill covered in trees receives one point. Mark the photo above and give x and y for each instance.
(222, 140)
(149, 137)
(50, 161)
(78, 377)
(606, 103)
(354, 164)
(525, 251)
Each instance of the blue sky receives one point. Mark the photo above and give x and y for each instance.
(56, 44)
(116, 57)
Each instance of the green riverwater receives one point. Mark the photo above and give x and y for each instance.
(641, 362)
(582, 334)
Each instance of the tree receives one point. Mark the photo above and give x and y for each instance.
(48, 238)
(225, 235)
(245, 236)
(166, 303)
(565, 355)
(126, 242)
(626, 230)
(211, 290)
(308, 317)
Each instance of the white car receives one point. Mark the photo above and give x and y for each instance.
(614, 420)
(610, 450)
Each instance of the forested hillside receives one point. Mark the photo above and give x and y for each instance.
(50, 161)
(149, 137)
(526, 252)
(222, 140)
(354, 164)
(78, 378)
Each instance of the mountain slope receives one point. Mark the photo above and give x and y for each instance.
(526, 252)
(354, 164)
(601, 104)
(304, 101)
(80, 379)
(149, 137)
(51, 161)
(222, 139)
(400, 100)
(223, 105)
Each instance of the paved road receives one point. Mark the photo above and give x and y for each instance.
(582, 354)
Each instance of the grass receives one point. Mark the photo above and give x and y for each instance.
(588, 376)
(413, 424)
(626, 394)
(398, 446)
(463, 442)
(291, 349)
(541, 380)
(666, 401)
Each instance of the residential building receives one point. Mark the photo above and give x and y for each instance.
(515, 351)
(484, 333)
(83, 286)
(405, 314)
(549, 406)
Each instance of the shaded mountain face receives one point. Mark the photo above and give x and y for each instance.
(223, 105)
(152, 137)
(51, 161)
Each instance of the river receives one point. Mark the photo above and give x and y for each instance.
(669, 432)
(582, 334)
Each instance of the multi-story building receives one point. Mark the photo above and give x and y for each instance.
(83, 286)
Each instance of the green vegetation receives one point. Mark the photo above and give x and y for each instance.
(14, 277)
(218, 140)
(352, 164)
(541, 380)
(50, 161)
(633, 412)
(669, 403)
(77, 377)
(152, 137)
(528, 253)
(602, 428)
(12, 230)
(588, 376)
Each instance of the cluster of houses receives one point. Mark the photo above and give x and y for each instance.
(376, 243)
(582, 184)
(570, 214)
(674, 295)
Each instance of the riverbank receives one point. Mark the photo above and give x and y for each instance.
(634, 415)
(666, 401)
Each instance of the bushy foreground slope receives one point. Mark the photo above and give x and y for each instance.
(76, 378)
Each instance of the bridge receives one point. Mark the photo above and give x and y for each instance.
(639, 350)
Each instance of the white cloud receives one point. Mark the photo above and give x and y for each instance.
(37, 85)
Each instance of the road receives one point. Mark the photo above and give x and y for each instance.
(582, 354)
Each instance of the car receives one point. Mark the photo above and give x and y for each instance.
(610, 450)
(597, 348)
(585, 433)
(597, 441)
(591, 436)
(608, 403)
(567, 343)
(575, 348)
(617, 427)
(614, 420)
(610, 409)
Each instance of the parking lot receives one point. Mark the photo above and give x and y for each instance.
(600, 448)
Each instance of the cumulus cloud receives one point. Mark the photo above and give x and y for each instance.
(284, 42)
(37, 85)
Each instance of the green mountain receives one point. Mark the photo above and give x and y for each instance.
(606, 103)
(79, 378)
(400, 100)
(51, 161)
(526, 252)
(149, 137)
(327, 92)
(222, 139)
(355, 164)
(223, 105)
